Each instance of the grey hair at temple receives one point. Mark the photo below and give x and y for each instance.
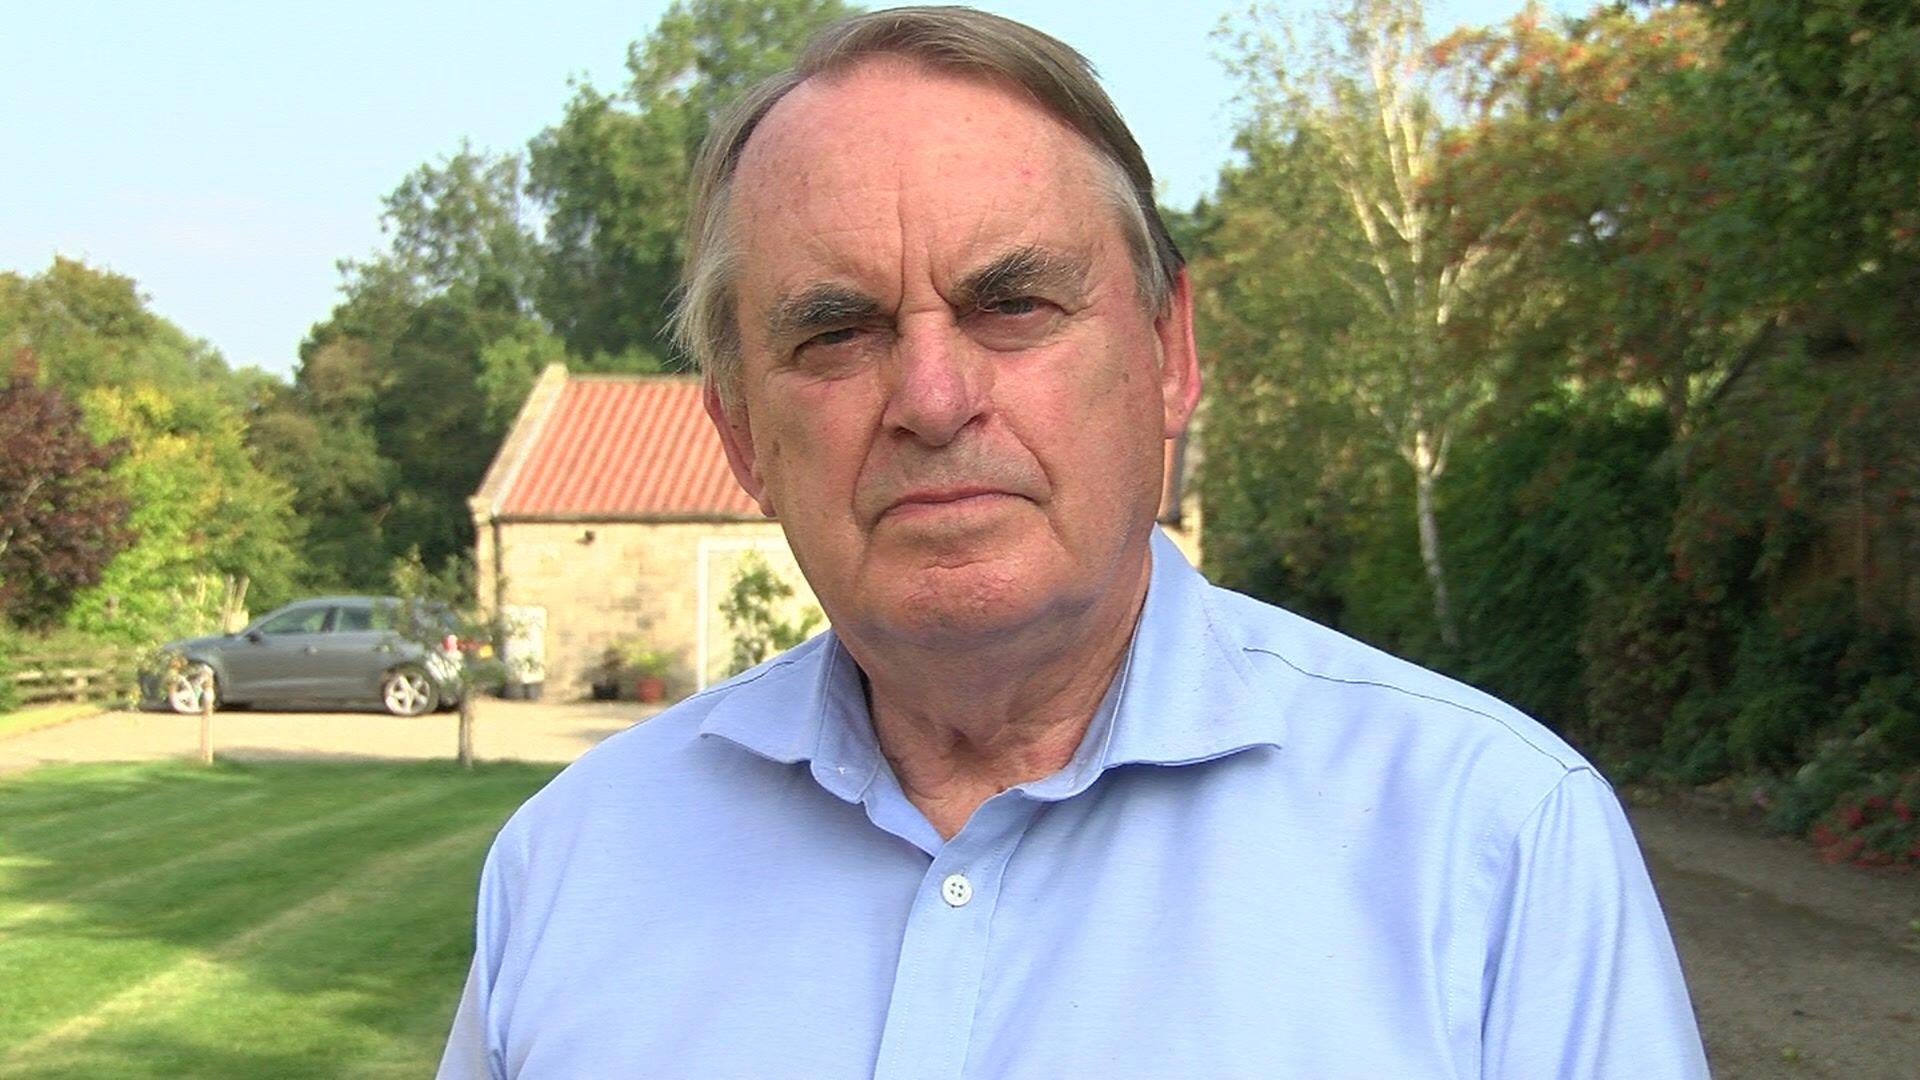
(953, 39)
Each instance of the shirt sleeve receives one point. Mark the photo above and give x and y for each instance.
(1582, 980)
(470, 1053)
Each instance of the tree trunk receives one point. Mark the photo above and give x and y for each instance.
(1426, 469)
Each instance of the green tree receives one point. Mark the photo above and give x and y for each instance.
(384, 434)
(1431, 286)
(508, 367)
(612, 175)
(1608, 135)
(342, 488)
(1828, 91)
(461, 226)
(202, 513)
(91, 327)
(433, 604)
(389, 425)
(1291, 462)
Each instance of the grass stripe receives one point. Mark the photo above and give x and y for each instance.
(178, 981)
(83, 854)
(248, 846)
(94, 844)
(366, 989)
(55, 800)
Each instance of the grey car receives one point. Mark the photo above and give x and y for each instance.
(331, 650)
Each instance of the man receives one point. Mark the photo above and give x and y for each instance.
(1043, 803)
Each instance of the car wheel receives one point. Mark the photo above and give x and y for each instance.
(185, 685)
(408, 691)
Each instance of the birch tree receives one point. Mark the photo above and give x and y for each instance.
(1428, 286)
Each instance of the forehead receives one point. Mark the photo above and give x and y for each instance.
(891, 168)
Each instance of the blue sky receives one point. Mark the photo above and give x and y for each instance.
(225, 155)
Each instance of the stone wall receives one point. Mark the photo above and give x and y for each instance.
(602, 582)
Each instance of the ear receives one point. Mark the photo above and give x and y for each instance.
(736, 438)
(1179, 359)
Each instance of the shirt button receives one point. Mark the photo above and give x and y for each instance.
(956, 890)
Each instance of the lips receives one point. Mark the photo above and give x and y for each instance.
(936, 499)
(949, 482)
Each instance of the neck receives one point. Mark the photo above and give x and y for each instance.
(960, 726)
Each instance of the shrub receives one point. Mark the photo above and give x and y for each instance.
(1876, 825)
(753, 609)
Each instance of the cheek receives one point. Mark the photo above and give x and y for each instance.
(805, 457)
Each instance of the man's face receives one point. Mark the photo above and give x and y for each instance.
(950, 392)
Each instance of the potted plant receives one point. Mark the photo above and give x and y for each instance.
(646, 671)
(608, 673)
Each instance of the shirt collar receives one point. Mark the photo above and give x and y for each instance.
(1185, 694)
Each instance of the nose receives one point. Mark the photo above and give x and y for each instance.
(937, 384)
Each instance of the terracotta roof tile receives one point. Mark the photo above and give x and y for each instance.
(626, 447)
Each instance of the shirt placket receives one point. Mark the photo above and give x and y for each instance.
(943, 955)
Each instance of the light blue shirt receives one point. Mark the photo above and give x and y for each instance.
(1277, 853)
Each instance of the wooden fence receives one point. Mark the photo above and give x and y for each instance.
(105, 677)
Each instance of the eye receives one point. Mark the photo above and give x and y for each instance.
(1014, 305)
(831, 337)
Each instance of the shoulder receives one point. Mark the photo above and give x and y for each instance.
(1340, 697)
(659, 773)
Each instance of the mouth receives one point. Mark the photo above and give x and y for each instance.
(947, 501)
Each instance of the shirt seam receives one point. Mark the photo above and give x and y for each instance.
(1531, 744)
(784, 660)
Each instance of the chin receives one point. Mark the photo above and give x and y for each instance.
(975, 603)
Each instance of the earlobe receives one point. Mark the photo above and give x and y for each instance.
(735, 428)
(1179, 358)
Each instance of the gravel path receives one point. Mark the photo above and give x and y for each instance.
(503, 730)
(1798, 969)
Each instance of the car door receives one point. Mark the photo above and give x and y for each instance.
(359, 647)
(276, 658)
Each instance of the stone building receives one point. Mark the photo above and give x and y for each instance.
(609, 516)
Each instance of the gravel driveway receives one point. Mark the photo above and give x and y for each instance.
(503, 730)
(1798, 969)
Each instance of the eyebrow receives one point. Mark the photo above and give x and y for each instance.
(1022, 271)
(819, 307)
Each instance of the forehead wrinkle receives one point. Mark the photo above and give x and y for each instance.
(859, 218)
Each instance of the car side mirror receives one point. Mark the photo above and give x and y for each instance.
(256, 636)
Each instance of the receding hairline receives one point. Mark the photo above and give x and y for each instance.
(903, 63)
(1038, 255)
(957, 43)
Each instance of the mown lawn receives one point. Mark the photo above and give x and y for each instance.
(285, 920)
(39, 716)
